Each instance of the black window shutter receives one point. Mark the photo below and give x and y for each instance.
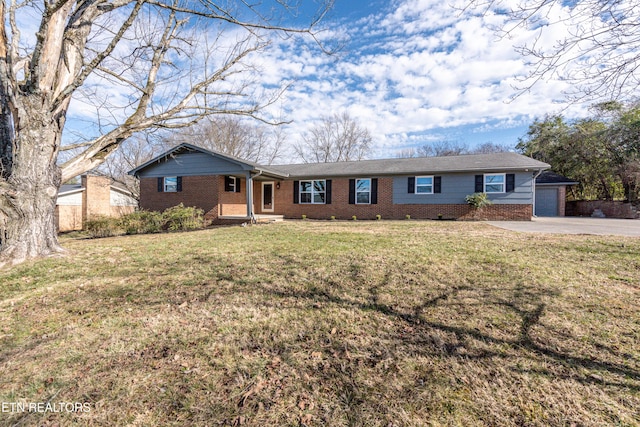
(411, 185)
(327, 189)
(238, 185)
(227, 183)
(511, 182)
(296, 192)
(374, 191)
(352, 191)
(437, 184)
(179, 183)
(160, 184)
(479, 183)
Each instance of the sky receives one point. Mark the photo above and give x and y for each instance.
(414, 72)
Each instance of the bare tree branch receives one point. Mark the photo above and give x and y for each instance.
(598, 51)
(136, 65)
(336, 138)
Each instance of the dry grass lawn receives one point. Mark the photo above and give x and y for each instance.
(383, 323)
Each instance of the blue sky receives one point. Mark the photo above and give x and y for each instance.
(415, 72)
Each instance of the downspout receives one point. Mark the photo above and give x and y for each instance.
(534, 192)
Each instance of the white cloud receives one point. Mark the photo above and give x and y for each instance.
(422, 67)
(418, 72)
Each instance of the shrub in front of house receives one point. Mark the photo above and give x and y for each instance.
(142, 222)
(103, 226)
(182, 218)
(478, 200)
(176, 218)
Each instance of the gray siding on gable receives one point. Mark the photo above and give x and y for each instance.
(455, 187)
(191, 164)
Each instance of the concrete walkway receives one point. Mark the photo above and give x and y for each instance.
(574, 225)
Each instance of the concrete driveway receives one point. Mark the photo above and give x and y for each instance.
(574, 225)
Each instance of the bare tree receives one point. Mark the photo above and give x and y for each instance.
(259, 143)
(406, 153)
(140, 64)
(336, 138)
(490, 148)
(443, 148)
(598, 51)
(451, 148)
(133, 152)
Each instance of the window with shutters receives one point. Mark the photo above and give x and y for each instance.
(313, 192)
(230, 184)
(424, 185)
(494, 183)
(170, 184)
(363, 191)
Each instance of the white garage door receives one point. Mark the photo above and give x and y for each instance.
(546, 202)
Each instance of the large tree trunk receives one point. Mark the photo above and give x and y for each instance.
(28, 199)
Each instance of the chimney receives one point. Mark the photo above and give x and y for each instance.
(96, 197)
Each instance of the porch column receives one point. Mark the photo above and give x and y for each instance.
(249, 181)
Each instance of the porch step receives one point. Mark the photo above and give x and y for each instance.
(261, 218)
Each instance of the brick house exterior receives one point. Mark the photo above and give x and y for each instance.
(227, 188)
(95, 196)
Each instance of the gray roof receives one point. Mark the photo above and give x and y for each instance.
(75, 188)
(496, 162)
(551, 178)
(70, 188)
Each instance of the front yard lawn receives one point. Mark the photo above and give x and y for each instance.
(303, 323)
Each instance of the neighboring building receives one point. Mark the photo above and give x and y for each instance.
(229, 188)
(94, 196)
(551, 194)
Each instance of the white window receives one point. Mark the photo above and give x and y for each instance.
(231, 184)
(170, 184)
(363, 191)
(424, 185)
(313, 191)
(494, 183)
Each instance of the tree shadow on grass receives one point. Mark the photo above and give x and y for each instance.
(422, 328)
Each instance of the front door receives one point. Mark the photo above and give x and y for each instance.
(267, 197)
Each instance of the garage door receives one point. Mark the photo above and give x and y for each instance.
(546, 201)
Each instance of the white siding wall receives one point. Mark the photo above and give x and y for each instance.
(73, 199)
(120, 199)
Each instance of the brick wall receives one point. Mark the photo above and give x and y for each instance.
(198, 191)
(96, 197)
(562, 200)
(233, 203)
(341, 209)
(611, 209)
(119, 211)
(68, 218)
(202, 192)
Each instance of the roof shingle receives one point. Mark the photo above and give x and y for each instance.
(497, 162)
